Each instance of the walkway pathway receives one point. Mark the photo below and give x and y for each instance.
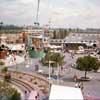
(92, 87)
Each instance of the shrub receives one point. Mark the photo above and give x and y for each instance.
(2, 63)
(9, 93)
(4, 70)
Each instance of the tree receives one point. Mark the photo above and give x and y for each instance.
(8, 93)
(15, 96)
(53, 59)
(2, 63)
(58, 58)
(54, 34)
(7, 75)
(51, 56)
(4, 70)
(88, 63)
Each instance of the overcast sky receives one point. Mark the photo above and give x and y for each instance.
(62, 13)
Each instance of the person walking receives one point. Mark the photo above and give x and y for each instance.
(75, 78)
(70, 70)
(82, 87)
(62, 68)
(53, 71)
(25, 57)
(79, 84)
(76, 85)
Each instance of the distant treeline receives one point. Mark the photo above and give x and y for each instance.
(10, 29)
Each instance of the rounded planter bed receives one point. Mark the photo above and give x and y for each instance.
(85, 79)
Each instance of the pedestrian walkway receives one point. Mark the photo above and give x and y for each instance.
(93, 85)
(90, 98)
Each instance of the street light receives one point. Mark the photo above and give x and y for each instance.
(49, 62)
(58, 65)
(58, 73)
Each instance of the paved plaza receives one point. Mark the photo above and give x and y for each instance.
(91, 87)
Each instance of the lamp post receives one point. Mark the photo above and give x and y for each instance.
(58, 73)
(49, 70)
(49, 62)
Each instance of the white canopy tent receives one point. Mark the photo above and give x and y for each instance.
(65, 93)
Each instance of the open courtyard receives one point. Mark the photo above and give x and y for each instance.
(91, 88)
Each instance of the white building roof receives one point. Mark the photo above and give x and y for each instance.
(20, 47)
(65, 93)
(54, 46)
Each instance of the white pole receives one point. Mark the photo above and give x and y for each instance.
(49, 74)
(58, 74)
(49, 70)
(62, 46)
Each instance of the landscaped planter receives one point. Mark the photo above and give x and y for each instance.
(85, 79)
